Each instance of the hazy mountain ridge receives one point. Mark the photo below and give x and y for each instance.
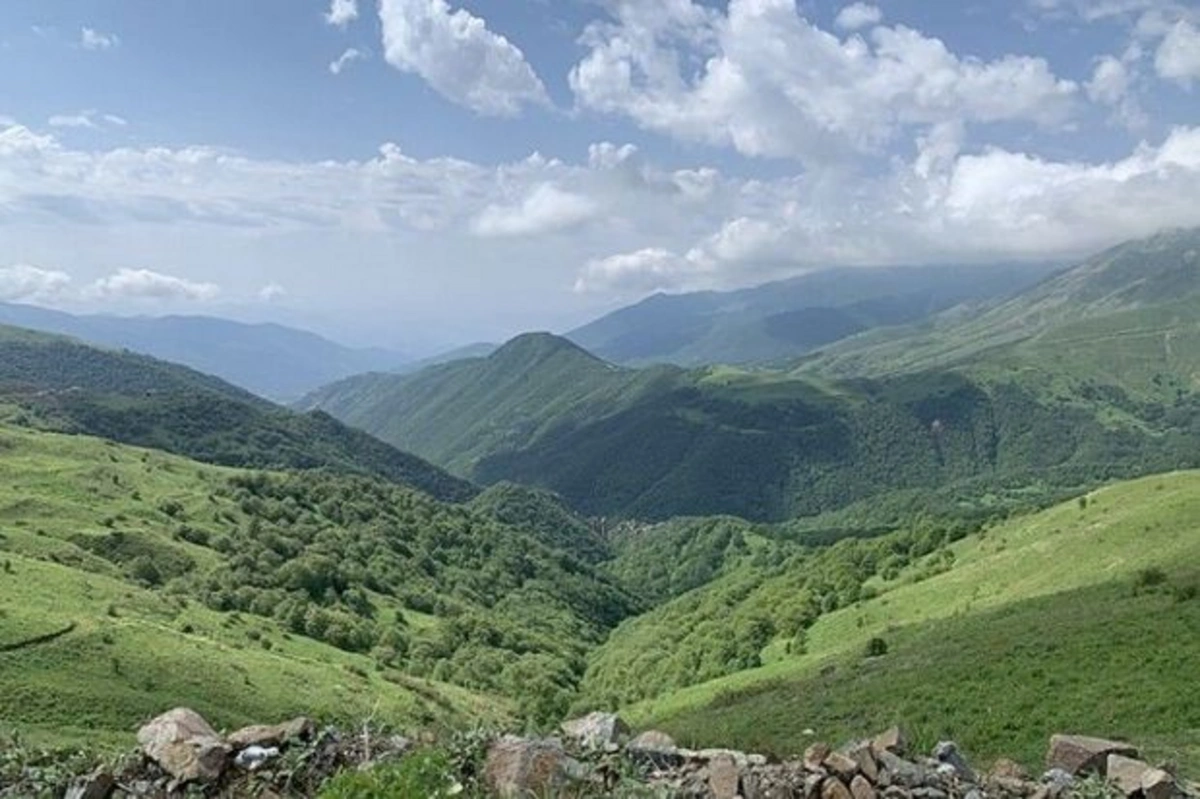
(271, 360)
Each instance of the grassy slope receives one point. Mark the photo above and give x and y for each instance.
(1033, 630)
(112, 671)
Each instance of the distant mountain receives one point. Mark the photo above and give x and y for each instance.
(281, 363)
(791, 317)
(1140, 285)
(63, 384)
(480, 349)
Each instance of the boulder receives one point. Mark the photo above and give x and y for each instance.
(946, 752)
(833, 788)
(861, 754)
(654, 749)
(1159, 784)
(724, 777)
(899, 771)
(98, 785)
(842, 765)
(1080, 754)
(277, 735)
(185, 746)
(891, 740)
(521, 767)
(861, 788)
(1126, 773)
(595, 730)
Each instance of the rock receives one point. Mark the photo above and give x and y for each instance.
(267, 735)
(654, 749)
(1159, 784)
(842, 765)
(1126, 773)
(724, 777)
(833, 788)
(946, 752)
(812, 786)
(814, 756)
(1079, 754)
(520, 767)
(890, 740)
(185, 746)
(252, 757)
(861, 788)
(974, 793)
(899, 771)
(98, 785)
(1005, 769)
(1057, 781)
(595, 730)
(861, 754)
(928, 793)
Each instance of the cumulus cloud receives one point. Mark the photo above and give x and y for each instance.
(858, 15)
(342, 12)
(457, 55)
(1112, 85)
(349, 56)
(1178, 56)
(145, 284)
(546, 209)
(26, 282)
(92, 39)
(771, 83)
(647, 269)
(271, 292)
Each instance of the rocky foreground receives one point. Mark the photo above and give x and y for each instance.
(180, 754)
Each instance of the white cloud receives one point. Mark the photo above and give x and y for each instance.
(92, 39)
(858, 15)
(271, 292)
(86, 119)
(546, 209)
(351, 55)
(764, 80)
(643, 270)
(1178, 56)
(145, 284)
(25, 282)
(456, 54)
(1112, 85)
(342, 12)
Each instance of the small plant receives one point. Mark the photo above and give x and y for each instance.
(420, 775)
(876, 647)
(1149, 579)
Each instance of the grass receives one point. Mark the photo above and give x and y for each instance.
(1034, 629)
(135, 652)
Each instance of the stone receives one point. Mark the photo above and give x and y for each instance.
(891, 740)
(1080, 754)
(654, 749)
(1126, 773)
(946, 752)
(833, 788)
(724, 777)
(1005, 769)
(595, 730)
(814, 756)
(900, 771)
(1057, 781)
(928, 793)
(520, 767)
(812, 786)
(277, 735)
(974, 793)
(98, 785)
(861, 788)
(862, 755)
(185, 746)
(842, 765)
(1159, 784)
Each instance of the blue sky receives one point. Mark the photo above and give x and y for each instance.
(469, 170)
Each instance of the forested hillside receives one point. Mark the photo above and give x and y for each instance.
(61, 384)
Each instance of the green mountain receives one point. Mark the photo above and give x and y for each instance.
(271, 360)
(62, 384)
(134, 579)
(1079, 617)
(787, 318)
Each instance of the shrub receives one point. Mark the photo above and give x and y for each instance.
(420, 775)
(876, 647)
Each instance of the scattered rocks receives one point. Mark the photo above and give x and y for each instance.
(521, 767)
(814, 756)
(185, 746)
(596, 730)
(834, 788)
(267, 735)
(1080, 754)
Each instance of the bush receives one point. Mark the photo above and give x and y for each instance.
(420, 775)
(876, 647)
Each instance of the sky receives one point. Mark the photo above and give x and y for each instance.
(426, 173)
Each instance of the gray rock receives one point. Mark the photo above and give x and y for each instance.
(1057, 781)
(724, 777)
(520, 767)
(814, 756)
(267, 735)
(1080, 754)
(98, 785)
(654, 749)
(185, 746)
(862, 788)
(891, 740)
(862, 755)
(1159, 784)
(842, 765)
(900, 771)
(595, 730)
(1126, 773)
(833, 788)
(946, 752)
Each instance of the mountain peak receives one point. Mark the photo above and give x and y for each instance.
(530, 348)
